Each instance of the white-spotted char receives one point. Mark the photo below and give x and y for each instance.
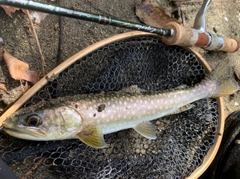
(89, 117)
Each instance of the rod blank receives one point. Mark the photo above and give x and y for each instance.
(51, 9)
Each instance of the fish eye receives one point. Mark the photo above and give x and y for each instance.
(33, 120)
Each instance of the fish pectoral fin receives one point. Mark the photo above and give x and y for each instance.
(92, 136)
(146, 129)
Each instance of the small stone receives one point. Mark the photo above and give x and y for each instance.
(237, 141)
(138, 151)
(236, 104)
(215, 29)
(226, 19)
(143, 151)
(146, 146)
(138, 141)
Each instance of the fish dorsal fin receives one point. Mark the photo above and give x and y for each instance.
(182, 86)
(146, 129)
(92, 136)
(132, 89)
(184, 108)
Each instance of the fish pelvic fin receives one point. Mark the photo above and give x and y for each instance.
(146, 129)
(226, 79)
(92, 136)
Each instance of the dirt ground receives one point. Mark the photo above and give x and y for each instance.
(223, 18)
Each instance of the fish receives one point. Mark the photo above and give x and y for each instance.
(88, 117)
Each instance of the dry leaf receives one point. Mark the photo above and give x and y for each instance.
(9, 10)
(37, 17)
(20, 70)
(152, 15)
(3, 87)
(1, 55)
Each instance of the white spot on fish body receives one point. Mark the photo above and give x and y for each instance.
(91, 108)
(160, 101)
(103, 115)
(111, 117)
(109, 111)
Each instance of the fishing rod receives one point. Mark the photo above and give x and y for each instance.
(172, 34)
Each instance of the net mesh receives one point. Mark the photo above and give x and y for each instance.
(183, 140)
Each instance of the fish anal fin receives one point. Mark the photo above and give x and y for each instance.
(92, 136)
(146, 129)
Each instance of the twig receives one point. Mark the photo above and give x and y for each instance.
(35, 165)
(59, 55)
(38, 44)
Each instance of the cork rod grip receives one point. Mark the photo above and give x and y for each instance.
(186, 37)
(230, 45)
(183, 36)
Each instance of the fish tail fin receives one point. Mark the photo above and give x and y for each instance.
(226, 79)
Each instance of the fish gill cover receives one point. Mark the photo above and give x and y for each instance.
(183, 140)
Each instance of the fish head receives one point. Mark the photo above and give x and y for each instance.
(53, 123)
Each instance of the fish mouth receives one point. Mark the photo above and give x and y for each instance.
(12, 132)
(6, 129)
(18, 134)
